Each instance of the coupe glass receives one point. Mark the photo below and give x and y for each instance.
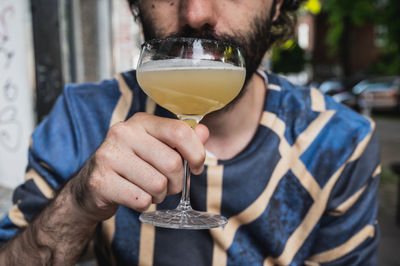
(191, 78)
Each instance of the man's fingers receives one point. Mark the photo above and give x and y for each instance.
(117, 190)
(146, 152)
(177, 135)
(166, 160)
(202, 132)
(139, 172)
(146, 159)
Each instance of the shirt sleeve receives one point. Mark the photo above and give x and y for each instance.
(348, 232)
(52, 160)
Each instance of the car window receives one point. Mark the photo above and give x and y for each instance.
(329, 86)
(378, 87)
(360, 87)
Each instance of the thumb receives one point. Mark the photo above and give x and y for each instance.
(202, 132)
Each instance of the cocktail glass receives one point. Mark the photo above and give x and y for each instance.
(189, 77)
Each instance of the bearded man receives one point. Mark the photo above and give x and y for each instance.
(295, 173)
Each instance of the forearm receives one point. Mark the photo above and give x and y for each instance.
(56, 237)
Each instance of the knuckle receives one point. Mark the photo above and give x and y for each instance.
(102, 155)
(117, 130)
(174, 164)
(160, 185)
(198, 170)
(199, 158)
(143, 202)
(95, 182)
(140, 116)
(175, 188)
(182, 131)
(160, 198)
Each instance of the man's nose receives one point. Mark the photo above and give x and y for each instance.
(198, 13)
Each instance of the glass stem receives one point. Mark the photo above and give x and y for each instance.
(184, 204)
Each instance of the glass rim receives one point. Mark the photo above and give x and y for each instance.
(152, 42)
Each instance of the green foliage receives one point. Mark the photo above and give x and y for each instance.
(356, 12)
(388, 65)
(350, 13)
(388, 18)
(388, 177)
(289, 58)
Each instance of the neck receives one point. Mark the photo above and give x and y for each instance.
(232, 129)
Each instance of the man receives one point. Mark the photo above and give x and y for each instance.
(295, 173)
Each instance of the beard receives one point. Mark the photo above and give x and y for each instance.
(254, 43)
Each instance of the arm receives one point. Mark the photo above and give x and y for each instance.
(57, 236)
(123, 171)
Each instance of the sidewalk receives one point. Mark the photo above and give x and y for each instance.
(390, 233)
(388, 132)
(5, 200)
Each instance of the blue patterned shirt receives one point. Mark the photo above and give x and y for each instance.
(303, 191)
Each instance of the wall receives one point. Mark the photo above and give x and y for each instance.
(126, 37)
(16, 111)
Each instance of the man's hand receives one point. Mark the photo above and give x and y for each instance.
(139, 163)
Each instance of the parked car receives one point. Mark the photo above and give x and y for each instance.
(340, 90)
(347, 98)
(381, 93)
(332, 87)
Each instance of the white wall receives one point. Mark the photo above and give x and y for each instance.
(16, 75)
(126, 37)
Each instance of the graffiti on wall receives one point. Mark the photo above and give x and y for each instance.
(10, 126)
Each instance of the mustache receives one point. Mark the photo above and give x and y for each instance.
(207, 32)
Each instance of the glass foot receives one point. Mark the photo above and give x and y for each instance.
(183, 219)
